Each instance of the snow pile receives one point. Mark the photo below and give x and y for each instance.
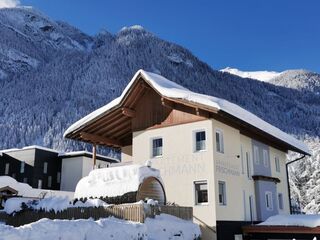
(22, 188)
(55, 204)
(173, 90)
(161, 228)
(14, 204)
(293, 220)
(47, 204)
(114, 181)
(27, 191)
(264, 76)
(91, 203)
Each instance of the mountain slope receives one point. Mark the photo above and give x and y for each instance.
(264, 76)
(53, 74)
(299, 79)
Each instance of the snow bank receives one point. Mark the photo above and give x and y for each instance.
(293, 220)
(114, 181)
(166, 226)
(173, 90)
(163, 227)
(55, 204)
(14, 204)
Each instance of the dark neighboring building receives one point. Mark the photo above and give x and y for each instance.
(37, 166)
(42, 167)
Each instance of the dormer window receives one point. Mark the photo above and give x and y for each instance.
(200, 141)
(157, 147)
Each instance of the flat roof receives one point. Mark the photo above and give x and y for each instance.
(89, 155)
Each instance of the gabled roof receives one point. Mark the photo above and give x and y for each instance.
(174, 92)
(9, 189)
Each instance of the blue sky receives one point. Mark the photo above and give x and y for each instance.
(246, 34)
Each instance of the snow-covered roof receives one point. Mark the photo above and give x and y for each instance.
(174, 91)
(25, 190)
(22, 188)
(114, 181)
(27, 148)
(312, 220)
(88, 154)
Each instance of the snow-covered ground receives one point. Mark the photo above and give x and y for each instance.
(312, 220)
(160, 228)
(49, 204)
(264, 76)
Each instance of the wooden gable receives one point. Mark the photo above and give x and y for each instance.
(152, 111)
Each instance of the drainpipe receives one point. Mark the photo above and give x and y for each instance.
(288, 182)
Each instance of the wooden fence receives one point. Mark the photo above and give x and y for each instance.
(131, 212)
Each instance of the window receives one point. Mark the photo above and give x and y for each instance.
(157, 147)
(58, 177)
(39, 183)
(222, 193)
(242, 160)
(200, 140)
(280, 199)
(248, 165)
(251, 209)
(219, 141)
(269, 203)
(22, 167)
(256, 154)
(265, 158)
(49, 181)
(25, 180)
(201, 192)
(277, 163)
(45, 167)
(13, 175)
(6, 171)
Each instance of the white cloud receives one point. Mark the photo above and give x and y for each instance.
(9, 3)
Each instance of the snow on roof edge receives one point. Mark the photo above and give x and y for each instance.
(173, 90)
(77, 153)
(27, 148)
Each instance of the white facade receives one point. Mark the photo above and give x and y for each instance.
(181, 167)
(75, 168)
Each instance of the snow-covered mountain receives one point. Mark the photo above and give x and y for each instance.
(264, 76)
(52, 74)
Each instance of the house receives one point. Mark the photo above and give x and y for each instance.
(76, 165)
(45, 168)
(5, 193)
(37, 166)
(213, 155)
